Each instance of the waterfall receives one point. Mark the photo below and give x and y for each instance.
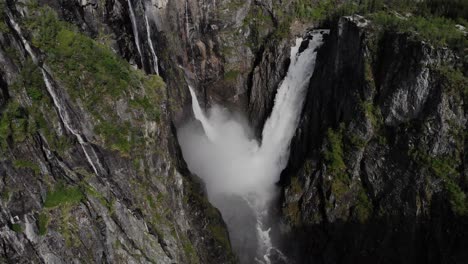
(17, 28)
(89, 152)
(150, 43)
(135, 29)
(233, 164)
(200, 116)
(281, 125)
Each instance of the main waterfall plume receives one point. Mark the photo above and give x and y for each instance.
(240, 173)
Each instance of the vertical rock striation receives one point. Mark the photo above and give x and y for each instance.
(90, 168)
(376, 170)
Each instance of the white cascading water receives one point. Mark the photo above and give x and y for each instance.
(150, 43)
(91, 156)
(233, 164)
(135, 28)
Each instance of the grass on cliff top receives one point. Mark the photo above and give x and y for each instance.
(433, 20)
(439, 31)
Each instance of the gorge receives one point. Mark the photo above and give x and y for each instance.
(232, 164)
(233, 131)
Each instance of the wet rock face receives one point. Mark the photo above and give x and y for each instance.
(377, 147)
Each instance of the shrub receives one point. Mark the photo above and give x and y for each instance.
(17, 228)
(314, 11)
(231, 75)
(453, 81)
(334, 152)
(445, 168)
(42, 223)
(118, 137)
(220, 234)
(3, 26)
(13, 124)
(26, 164)
(63, 195)
(363, 207)
(372, 112)
(454, 9)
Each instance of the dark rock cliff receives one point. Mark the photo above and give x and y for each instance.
(377, 169)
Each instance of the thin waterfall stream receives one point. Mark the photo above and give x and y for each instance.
(135, 29)
(62, 110)
(240, 172)
(151, 45)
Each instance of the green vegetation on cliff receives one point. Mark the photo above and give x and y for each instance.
(433, 20)
(19, 122)
(453, 81)
(42, 223)
(3, 26)
(334, 152)
(292, 210)
(308, 10)
(334, 159)
(26, 164)
(363, 207)
(63, 195)
(17, 228)
(445, 169)
(439, 31)
(13, 124)
(97, 79)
